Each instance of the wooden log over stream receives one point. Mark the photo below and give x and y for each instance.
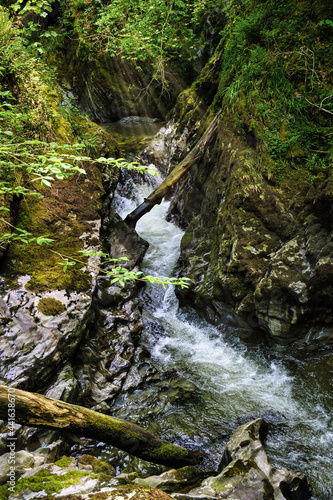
(171, 180)
(40, 411)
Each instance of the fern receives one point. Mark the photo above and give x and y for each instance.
(5, 26)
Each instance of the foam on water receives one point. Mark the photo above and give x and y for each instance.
(234, 382)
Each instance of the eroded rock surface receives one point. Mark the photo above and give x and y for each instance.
(245, 472)
(252, 253)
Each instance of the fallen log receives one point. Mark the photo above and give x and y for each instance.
(35, 410)
(171, 180)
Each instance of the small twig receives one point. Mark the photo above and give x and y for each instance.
(319, 151)
(319, 106)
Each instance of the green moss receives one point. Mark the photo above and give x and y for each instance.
(127, 491)
(64, 462)
(166, 450)
(4, 493)
(189, 473)
(51, 483)
(98, 465)
(50, 306)
(188, 108)
(61, 214)
(100, 495)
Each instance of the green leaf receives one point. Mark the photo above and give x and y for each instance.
(43, 240)
(45, 182)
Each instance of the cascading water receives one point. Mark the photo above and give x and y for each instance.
(231, 382)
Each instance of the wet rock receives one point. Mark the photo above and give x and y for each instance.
(111, 295)
(34, 346)
(21, 460)
(125, 242)
(173, 480)
(239, 481)
(66, 387)
(141, 371)
(106, 356)
(49, 453)
(246, 445)
(165, 149)
(245, 472)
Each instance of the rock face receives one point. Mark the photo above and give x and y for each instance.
(56, 308)
(44, 310)
(245, 472)
(255, 255)
(110, 88)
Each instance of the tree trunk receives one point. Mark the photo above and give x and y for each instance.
(40, 411)
(177, 173)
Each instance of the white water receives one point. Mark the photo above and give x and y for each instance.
(236, 382)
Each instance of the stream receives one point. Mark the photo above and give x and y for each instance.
(213, 381)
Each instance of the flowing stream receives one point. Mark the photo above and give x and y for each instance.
(214, 381)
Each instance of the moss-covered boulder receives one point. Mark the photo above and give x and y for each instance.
(173, 480)
(245, 472)
(239, 480)
(75, 479)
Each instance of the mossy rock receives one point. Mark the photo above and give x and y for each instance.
(99, 466)
(174, 480)
(63, 214)
(129, 491)
(50, 306)
(45, 481)
(64, 462)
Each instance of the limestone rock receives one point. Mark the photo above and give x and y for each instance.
(246, 474)
(246, 444)
(22, 460)
(240, 480)
(173, 480)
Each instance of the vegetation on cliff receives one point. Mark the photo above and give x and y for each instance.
(259, 202)
(44, 142)
(276, 77)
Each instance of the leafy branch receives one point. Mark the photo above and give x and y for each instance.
(49, 161)
(117, 273)
(23, 236)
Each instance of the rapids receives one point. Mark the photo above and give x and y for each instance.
(231, 380)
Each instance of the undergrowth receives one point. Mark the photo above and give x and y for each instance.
(276, 80)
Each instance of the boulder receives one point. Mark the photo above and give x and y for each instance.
(80, 479)
(22, 460)
(173, 480)
(240, 480)
(246, 474)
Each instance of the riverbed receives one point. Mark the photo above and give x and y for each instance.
(222, 380)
